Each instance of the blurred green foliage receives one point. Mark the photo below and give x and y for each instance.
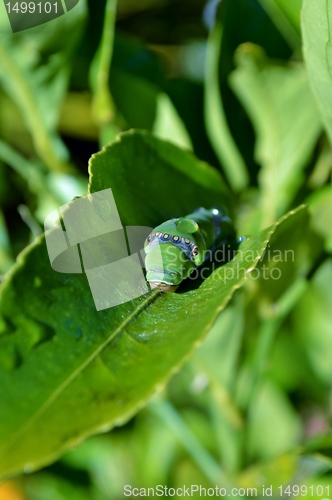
(246, 87)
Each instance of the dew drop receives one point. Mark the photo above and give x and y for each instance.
(28, 468)
(199, 383)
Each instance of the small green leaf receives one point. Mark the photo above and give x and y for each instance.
(317, 49)
(320, 206)
(291, 9)
(34, 73)
(135, 98)
(23, 82)
(168, 124)
(286, 16)
(287, 124)
(143, 105)
(274, 426)
(285, 265)
(163, 180)
(228, 127)
(313, 319)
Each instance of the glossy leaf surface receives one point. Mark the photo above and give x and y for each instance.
(68, 371)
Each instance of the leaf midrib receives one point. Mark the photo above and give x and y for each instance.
(133, 315)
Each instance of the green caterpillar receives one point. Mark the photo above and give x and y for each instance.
(176, 247)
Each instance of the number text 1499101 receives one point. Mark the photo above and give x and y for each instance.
(31, 8)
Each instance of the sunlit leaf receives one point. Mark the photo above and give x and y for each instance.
(279, 101)
(228, 127)
(320, 203)
(313, 322)
(274, 425)
(67, 370)
(168, 125)
(34, 73)
(317, 49)
(286, 16)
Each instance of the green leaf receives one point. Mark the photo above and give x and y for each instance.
(228, 127)
(163, 180)
(224, 341)
(313, 318)
(291, 9)
(320, 206)
(168, 125)
(317, 49)
(23, 83)
(137, 84)
(322, 168)
(143, 105)
(68, 371)
(284, 114)
(286, 263)
(274, 426)
(34, 73)
(221, 340)
(286, 16)
(135, 98)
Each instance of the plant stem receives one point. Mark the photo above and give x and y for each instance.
(215, 119)
(22, 94)
(167, 413)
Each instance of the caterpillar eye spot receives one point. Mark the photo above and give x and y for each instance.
(165, 236)
(187, 240)
(195, 251)
(148, 239)
(175, 238)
